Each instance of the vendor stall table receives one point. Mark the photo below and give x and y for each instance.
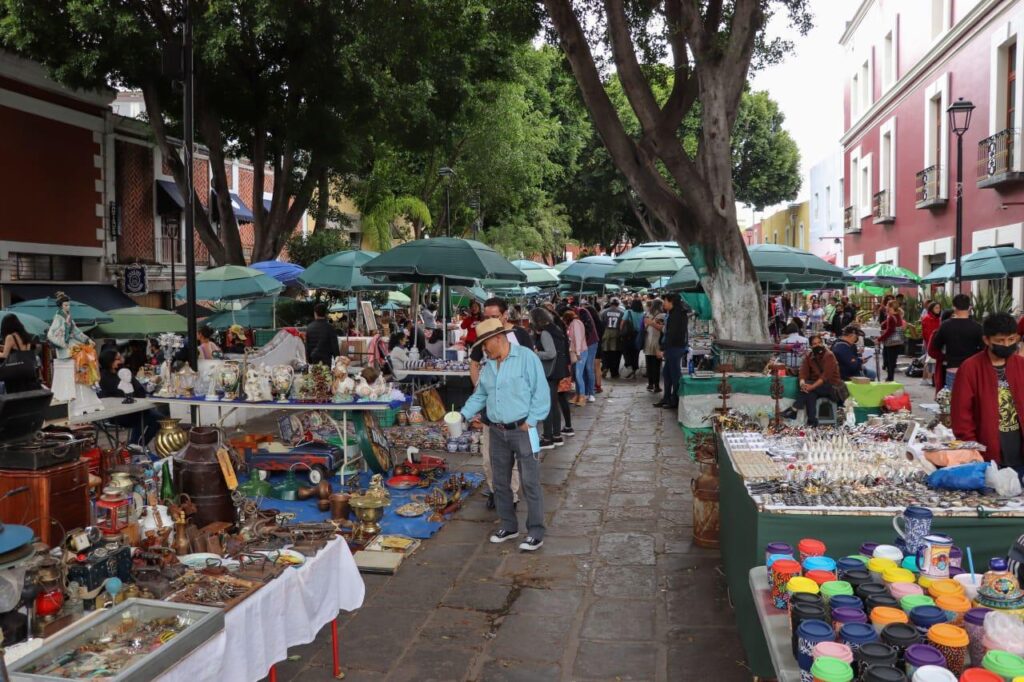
(746, 527)
(872, 394)
(775, 624)
(440, 373)
(286, 612)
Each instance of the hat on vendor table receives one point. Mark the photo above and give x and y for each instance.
(487, 329)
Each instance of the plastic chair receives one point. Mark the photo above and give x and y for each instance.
(826, 412)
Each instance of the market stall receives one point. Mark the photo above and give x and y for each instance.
(790, 494)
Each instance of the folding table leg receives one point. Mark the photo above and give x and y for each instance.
(338, 675)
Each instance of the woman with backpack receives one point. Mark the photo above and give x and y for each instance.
(892, 338)
(553, 351)
(631, 334)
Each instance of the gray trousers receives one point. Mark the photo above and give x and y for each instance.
(507, 448)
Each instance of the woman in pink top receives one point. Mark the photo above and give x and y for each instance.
(577, 334)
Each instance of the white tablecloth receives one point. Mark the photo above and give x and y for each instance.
(286, 612)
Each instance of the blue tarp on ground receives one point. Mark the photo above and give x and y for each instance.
(391, 524)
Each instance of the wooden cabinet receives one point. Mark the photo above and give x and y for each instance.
(59, 493)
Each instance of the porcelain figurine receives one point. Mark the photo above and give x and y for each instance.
(363, 389)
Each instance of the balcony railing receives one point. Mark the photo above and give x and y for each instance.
(928, 188)
(851, 223)
(881, 208)
(995, 160)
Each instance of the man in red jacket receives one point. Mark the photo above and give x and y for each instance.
(988, 395)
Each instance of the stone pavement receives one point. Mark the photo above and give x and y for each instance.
(617, 592)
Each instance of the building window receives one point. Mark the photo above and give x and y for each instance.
(936, 132)
(1010, 55)
(855, 97)
(817, 205)
(939, 18)
(41, 266)
(888, 60)
(864, 187)
(865, 84)
(854, 177)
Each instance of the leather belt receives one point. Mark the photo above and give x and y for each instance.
(510, 427)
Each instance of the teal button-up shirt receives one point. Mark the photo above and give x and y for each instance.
(512, 390)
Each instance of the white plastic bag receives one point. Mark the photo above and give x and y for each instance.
(11, 583)
(1005, 482)
(1005, 629)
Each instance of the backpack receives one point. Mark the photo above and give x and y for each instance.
(627, 332)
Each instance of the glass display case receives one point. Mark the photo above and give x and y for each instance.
(134, 641)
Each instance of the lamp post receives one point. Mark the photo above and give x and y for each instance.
(474, 203)
(172, 228)
(959, 120)
(447, 173)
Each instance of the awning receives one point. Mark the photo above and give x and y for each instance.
(102, 296)
(168, 198)
(242, 212)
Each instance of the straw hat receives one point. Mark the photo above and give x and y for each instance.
(237, 330)
(488, 329)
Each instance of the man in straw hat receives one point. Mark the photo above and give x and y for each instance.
(513, 390)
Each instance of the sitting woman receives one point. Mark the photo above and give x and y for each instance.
(435, 343)
(206, 345)
(398, 355)
(143, 425)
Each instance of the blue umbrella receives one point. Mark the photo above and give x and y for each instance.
(286, 273)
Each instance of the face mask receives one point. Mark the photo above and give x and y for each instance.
(818, 350)
(1003, 352)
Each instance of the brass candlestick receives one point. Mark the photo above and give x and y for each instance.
(777, 391)
(724, 388)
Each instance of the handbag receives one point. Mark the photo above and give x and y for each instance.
(566, 385)
(20, 364)
(898, 336)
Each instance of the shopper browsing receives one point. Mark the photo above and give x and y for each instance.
(513, 391)
(848, 355)
(957, 339)
(988, 395)
(673, 350)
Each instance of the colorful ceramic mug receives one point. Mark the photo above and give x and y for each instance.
(912, 525)
(933, 555)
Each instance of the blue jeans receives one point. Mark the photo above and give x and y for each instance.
(671, 373)
(580, 369)
(589, 376)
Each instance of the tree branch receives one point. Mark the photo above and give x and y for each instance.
(684, 84)
(636, 87)
(209, 126)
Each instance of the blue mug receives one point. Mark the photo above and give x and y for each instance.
(916, 524)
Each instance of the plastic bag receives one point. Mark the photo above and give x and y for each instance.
(11, 584)
(962, 477)
(896, 402)
(1005, 629)
(1005, 482)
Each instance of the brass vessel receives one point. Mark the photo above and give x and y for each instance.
(171, 438)
(369, 507)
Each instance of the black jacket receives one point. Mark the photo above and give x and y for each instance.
(676, 334)
(321, 343)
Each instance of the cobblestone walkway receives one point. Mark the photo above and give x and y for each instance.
(617, 592)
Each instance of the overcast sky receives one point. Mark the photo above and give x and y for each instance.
(808, 85)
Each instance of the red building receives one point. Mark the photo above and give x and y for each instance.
(907, 61)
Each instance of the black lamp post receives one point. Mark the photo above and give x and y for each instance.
(172, 228)
(447, 173)
(959, 120)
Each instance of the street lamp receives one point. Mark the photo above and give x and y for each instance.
(172, 228)
(447, 173)
(959, 120)
(474, 203)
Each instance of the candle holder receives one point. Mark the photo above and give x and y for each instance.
(724, 388)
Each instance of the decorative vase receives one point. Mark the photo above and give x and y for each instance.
(171, 438)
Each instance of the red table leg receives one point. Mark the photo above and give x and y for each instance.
(273, 674)
(334, 650)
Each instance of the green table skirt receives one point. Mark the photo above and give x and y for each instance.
(745, 531)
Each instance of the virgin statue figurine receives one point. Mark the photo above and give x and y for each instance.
(65, 336)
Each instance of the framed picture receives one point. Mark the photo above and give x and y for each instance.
(368, 317)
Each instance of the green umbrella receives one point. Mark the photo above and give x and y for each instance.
(560, 267)
(231, 283)
(257, 314)
(786, 260)
(640, 249)
(685, 279)
(461, 261)
(537, 274)
(83, 314)
(883, 273)
(998, 262)
(138, 322)
(352, 305)
(342, 271)
(399, 298)
(589, 270)
(647, 264)
(32, 324)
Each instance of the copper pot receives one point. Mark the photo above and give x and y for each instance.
(323, 505)
(339, 506)
(321, 490)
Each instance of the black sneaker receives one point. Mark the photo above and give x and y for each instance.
(568, 432)
(501, 535)
(490, 499)
(546, 444)
(530, 544)
(789, 413)
(558, 440)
